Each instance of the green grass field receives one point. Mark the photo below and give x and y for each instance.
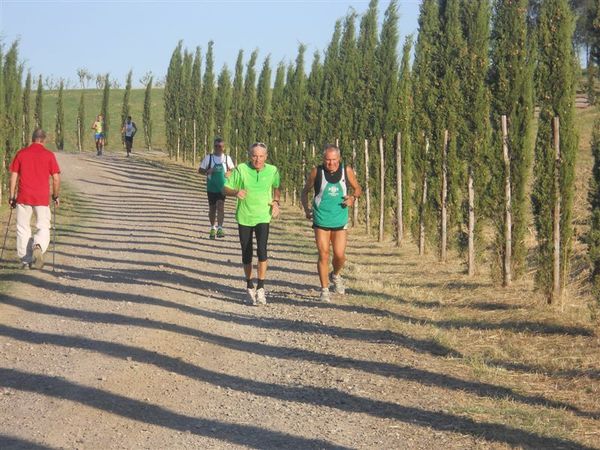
(93, 102)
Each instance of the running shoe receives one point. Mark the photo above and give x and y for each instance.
(338, 283)
(220, 233)
(38, 257)
(213, 233)
(250, 296)
(261, 299)
(325, 298)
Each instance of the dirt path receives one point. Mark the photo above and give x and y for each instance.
(139, 340)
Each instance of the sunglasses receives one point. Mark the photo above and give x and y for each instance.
(259, 144)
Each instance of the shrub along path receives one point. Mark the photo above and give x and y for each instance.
(139, 338)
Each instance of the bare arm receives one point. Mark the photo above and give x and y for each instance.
(13, 185)
(310, 182)
(275, 209)
(356, 189)
(55, 187)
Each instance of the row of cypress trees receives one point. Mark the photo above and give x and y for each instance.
(460, 169)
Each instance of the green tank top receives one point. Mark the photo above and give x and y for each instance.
(328, 208)
(216, 180)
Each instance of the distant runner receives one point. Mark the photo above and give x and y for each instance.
(128, 131)
(329, 214)
(98, 128)
(30, 194)
(217, 167)
(257, 188)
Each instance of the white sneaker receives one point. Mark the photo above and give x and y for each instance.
(38, 258)
(325, 298)
(338, 283)
(250, 296)
(261, 299)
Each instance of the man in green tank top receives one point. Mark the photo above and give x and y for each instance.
(329, 214)
(217, 166)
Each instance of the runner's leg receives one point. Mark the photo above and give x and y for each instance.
(24, 232)
(220, 212)
(322, 239)
(262, 237)
(339, 239)
(245, 234)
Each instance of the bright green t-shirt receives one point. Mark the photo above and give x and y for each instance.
(259, 185)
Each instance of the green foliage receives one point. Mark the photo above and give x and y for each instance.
(38, 114)
(59, 136)
(104, 108)
(195, 97)
(263, 101)
(237, 101)
(405, 112)
(556, 70)
(223, 104)
(125, 108)
(147, 114)
(208, 97)
(593, 237)
(172, 94)
(511, 81)
(27, 111)
(247, 131)
(80, 130)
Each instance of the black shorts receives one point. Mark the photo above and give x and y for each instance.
(214, 197)
(129, 139)
(261, 231)
(345, 227)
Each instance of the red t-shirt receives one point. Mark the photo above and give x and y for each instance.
(34, 164)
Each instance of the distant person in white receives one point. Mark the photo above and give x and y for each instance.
(128, 131)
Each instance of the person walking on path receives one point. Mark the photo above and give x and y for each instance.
(128, 131)
(30, 194)
(256, 185)
(217, 167)
(329, 214)
(98, 128)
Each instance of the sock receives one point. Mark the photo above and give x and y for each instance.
(249, 284)
(261, 284)
(220, 227)
(213, 227)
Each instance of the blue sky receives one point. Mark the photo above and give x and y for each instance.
(58, 37)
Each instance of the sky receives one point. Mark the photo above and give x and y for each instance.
(58, 37)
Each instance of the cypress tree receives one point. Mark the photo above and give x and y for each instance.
(27, 111)
(248, 121)
(475, 141)
(80, 130)
(277, 127)
(593, 237)
(38, 113)
(425, 90)
(387, 94)
(405, 112)
(147, 115)
(12, 104)
(346, 91)
(196, 98)
(313, 103)
(104, 107)
(171, 99)
(126, 95)
(511, 82)
(2, 130)
(60, 119)
(297, 106)
(556, 70)
(332, 90)
(263, 101)
(237, 102)
(186, 108)
(208, 96)
(369, 73)
(223, 105)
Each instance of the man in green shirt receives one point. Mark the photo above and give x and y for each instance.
(256, 185)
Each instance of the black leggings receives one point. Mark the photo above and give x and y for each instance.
(261, 231)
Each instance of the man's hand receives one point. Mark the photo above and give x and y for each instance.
(348, 200)
(56, 200)
(241, 194)
(209, 171)
(308, 213)
(227, 174)
(275, 209)
(12, 201)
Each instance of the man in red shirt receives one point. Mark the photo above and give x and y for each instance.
(31, 168)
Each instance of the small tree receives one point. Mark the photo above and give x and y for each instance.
(104, 108)
(593, 238)
(27, 110)
(60, 119)
(147, 115)
(38, 113)
(81, 121)
(126, 95)
(223, 104)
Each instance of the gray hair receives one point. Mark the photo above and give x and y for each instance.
(331, 147)
(259, 145)
(38, 135)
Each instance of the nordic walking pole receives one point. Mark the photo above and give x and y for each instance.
(6, 235)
